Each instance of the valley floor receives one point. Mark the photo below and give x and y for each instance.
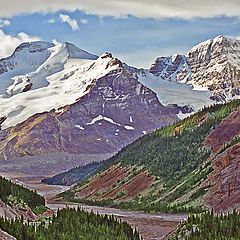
(150, 226)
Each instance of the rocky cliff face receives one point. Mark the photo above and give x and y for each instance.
(213, 65)
(224, 181)
(13, 212)
(224, 133)
(170, 68)
(116, 110)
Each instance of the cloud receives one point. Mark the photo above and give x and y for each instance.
(51, 20)
(84, 21)
(158, 9)
(70, 21)
(10, 42)
(236, 36)
(4, 22)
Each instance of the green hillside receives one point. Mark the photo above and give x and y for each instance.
(208, 226)
(175, 155)
(14, 194)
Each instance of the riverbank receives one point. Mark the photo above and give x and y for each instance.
(150, 226)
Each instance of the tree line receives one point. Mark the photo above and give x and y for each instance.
(9, 189)
(210, 226)
(71, 224)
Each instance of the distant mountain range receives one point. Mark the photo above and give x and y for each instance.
(61, 99)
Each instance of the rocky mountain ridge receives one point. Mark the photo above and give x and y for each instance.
(97, 106)
(212, 65)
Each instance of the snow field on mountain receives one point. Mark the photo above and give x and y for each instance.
(63, 87)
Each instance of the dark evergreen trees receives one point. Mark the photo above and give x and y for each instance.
(71, 224)
(8, 188)
(209, 226)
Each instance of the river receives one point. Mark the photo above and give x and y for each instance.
(150, 226)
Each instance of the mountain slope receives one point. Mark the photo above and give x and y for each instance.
(208, 73)
(61, 99)
(6, 236)
(116, 111)
(173, 165)
(17, 201)
(96, 103)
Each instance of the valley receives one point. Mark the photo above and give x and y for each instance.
(157, 148)
(150, 226)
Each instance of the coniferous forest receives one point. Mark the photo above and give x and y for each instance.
(174, 154)
(9, 190)
(208, 226)
(71, 224)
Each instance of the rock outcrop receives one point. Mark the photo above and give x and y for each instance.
(226, 131)
(6, 236)
(224, 181)
(13, 212)
(213, 65)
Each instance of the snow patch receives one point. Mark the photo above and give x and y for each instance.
(100, 117)
(173, 92)
(129, 127)
(181, 115)
(79, 127)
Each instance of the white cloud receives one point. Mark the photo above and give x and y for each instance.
(84, 21)
(10, 42)
(70, 21)
(184, 9)
(51, 20)
(4, 22)
(237, 36)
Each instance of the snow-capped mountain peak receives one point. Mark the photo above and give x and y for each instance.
(212, 66)
(27, 68)
(63, 74)
(75, 52)
(76, 103)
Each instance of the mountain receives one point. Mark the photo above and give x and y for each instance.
(59, 99)
(211, 69)
(65, 100)
(188, 165)
(33, 77)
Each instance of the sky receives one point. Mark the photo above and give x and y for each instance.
(135, 31)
